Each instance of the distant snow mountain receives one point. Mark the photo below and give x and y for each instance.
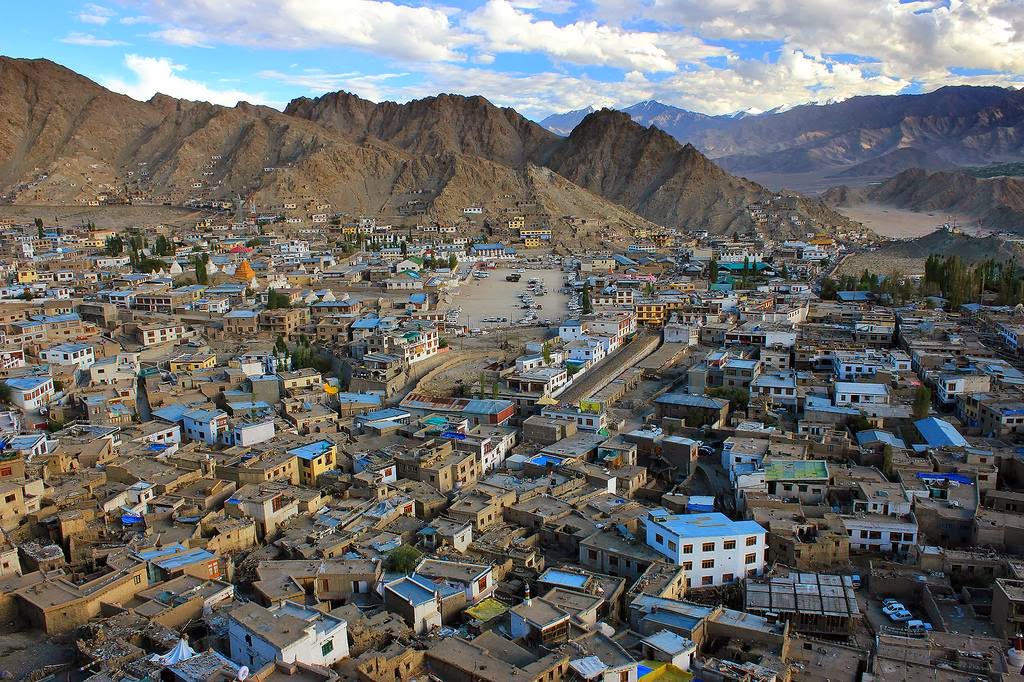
(952, 126)
(562, 124)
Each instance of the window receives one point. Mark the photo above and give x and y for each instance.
(750, 558)
(707, 580)
(708, 547)
(9, 498)
(138, 579)
(687, 566)
(687, 549)
(751, 541)
(248, 639)
(659, 539)
(707, 563)
(327, 647)
(727, 577)
(671, 546)
(729, 544)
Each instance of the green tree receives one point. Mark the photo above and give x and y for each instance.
(277, 300)
(280, 345)
(588, 307)
(713, 271)
(453, 262)
(114, 246)
(546, 351)
(922, 402)
(494, 390)
(5, 392)
(404, 247)
(887, 457)
(402, 559)
(202, 275)
(39, 227)
(163, 246)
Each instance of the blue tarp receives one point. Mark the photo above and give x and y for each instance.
(958, 478)
(131, 519)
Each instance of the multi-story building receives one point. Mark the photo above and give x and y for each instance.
(711, 548)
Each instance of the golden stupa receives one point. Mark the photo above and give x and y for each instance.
(244, 272)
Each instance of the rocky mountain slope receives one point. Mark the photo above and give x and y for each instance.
(562, 124)
(953, 126)
(66, 140)
(997, 203)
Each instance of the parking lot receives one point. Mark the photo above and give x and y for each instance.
(493, 297)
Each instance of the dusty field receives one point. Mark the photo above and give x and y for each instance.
(900, 223)
(494, 297)
(470, 357)
(115, 217)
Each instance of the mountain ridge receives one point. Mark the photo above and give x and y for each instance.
(66, 139)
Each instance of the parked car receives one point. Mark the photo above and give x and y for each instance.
(900, 615)
(918, 626)
(890, 601)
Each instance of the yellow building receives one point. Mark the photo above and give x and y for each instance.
(98, 238)
(539, 234)
(315, 458)
(27, 276)
(190, 362)
(651, 313)
(516, 222)
(532, 242)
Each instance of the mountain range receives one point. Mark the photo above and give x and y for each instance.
(861, 136)
(66, 140)
(996, 203)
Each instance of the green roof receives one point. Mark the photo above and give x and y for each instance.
(486, 610)
(795, 469)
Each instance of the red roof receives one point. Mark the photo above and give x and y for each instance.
(240, 249)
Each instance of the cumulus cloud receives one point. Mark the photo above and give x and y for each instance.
(182, 37)
(95, 14)
(506, 28)
(160, 74)
(89, 40)
(383, 28)
(368, 86)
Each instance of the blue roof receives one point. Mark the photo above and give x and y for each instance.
(240, 314)
(190, 557)
(418, 298)
(151, 554)
(938, 433)
(203, 415)
(553, 576)
(487, 406)
(879, 436)
(24, 441)
(171, 413)
(488, 247)
(311, 450)
(691, 400)
(365, 398)
(411, 590)
(366, 323)
(707, 525)
(26, 383)
(386, 413)
(70, 347)
(849, 296)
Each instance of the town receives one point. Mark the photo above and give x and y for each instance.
(291, 444)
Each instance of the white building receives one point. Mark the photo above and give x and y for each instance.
(67, 354)
(852, 393)
(30, 393)
(880, 533)
(286, 632)
(712, 548)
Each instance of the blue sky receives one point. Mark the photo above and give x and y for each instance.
(539, 56)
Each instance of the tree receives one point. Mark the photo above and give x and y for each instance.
(713, 270)
(588, 307)
(5, 392)
(887, 457)
(402, 559)
(39, 227)
(404, 247)
(202, 275)
(546, 351)
(277, 300)
(280, 346)
(163, 246)
(922, 402)
(453, 262)
(494, 390)
(114, 246)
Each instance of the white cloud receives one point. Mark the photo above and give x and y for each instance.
(368, 86)
(183, 37)
(95, 14)
(160, 74)
(910, 39)
(384, 28)
(89, 40)
(507, 29)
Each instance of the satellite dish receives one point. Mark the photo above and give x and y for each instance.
(243, 673)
